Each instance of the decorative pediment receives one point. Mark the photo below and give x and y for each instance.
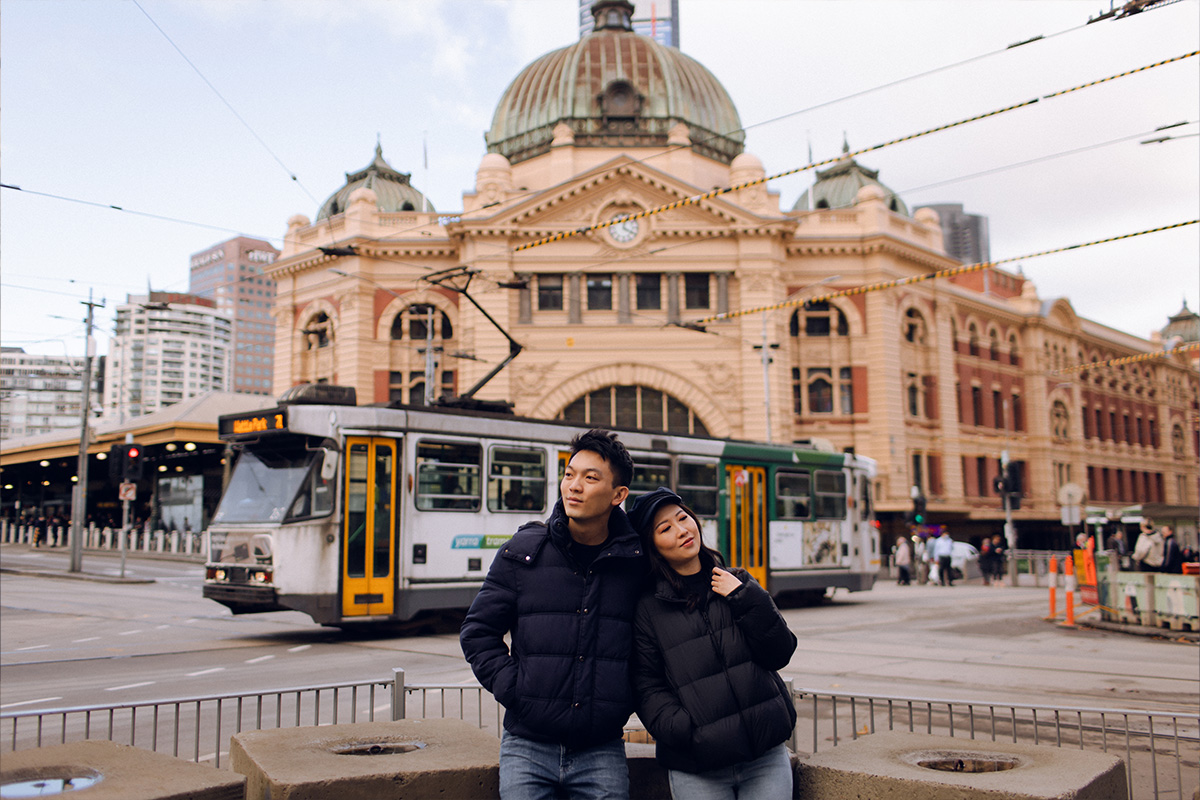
(621, 186)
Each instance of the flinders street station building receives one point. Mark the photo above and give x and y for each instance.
(637, 324)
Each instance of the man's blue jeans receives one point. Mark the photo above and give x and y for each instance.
(532, 770)
(768, 777)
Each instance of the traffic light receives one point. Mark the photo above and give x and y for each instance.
(116, 463)
(918, 511)
(1012, 478)
(126, 462)
(133, 462)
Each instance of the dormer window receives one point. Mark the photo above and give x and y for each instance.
(620, 101)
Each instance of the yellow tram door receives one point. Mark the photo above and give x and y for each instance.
(748, 519)
(369, 527)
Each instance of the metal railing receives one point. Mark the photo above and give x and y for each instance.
(1160, 748)
(188, 545)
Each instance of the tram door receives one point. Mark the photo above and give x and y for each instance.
(748, 519)
(369, 533)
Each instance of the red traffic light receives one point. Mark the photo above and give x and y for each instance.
(133, 452)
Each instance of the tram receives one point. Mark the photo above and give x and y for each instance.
(357, 514)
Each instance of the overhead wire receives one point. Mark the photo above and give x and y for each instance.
(698, 198)
(509, 201)
(1114, 362)
(636, 255)
(942, 273)
(693, 199)
(228, 105)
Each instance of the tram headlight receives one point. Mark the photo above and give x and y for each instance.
(262, 576)
(218, 574)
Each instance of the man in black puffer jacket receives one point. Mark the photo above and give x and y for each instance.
(566, 591)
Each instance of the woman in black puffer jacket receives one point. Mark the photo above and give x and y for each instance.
(707, 644)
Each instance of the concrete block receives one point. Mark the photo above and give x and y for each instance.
(411, 759)
(900, 765)
(98, 770)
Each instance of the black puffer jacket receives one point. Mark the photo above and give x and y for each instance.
(567, 678)
(706, 679)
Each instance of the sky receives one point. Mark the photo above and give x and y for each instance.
(194, 116)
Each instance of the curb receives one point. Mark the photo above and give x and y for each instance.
(72, 576)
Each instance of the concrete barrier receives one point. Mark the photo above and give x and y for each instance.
(901, 764)
(414, 759)
(108, 771)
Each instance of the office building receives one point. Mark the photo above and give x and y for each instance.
(231, 275)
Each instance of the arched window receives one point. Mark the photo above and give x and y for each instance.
(819, 319)
(318, 332)
(820, 391)
(415, 319)
(994, 348)
(1177, 441)
(634, 407)
(914, 394)
(1014, 351)
(914, 326)
(1060, 420)
(972, 339)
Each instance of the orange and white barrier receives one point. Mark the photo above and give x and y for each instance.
(1053, 570)
(1069, 575)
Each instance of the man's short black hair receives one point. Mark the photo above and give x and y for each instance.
(604, 444)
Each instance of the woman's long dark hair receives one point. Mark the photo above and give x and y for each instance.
(659, 566)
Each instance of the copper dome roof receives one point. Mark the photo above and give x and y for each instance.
(615, 88)
(392, 189)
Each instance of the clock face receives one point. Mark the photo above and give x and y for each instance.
(625, 231)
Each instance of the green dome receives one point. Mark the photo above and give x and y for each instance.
(615, 88)
(392, 190)
(838, 186)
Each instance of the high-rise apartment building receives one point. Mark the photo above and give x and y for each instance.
(231, 275)
(41, 394)
(658, 19)
(168, 346)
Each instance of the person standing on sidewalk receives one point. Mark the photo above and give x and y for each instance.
(943, 552)
(566, 591)
(904, 558)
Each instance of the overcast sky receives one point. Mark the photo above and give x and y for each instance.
(99, 106)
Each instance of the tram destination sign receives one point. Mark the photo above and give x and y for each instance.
(234, 426)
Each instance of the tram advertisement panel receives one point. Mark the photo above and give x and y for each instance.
(796, 544)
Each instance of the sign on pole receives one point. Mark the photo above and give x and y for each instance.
(1070, 515)
(127, 491)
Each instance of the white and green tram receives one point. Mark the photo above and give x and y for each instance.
(357, 514)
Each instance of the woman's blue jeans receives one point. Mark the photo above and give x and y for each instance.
(768, 777)
(532, 770)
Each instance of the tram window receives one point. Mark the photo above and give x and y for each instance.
(830, 494)
(315, 497)
(697, 487)
(648, 475)
(517, 480)
(448, 476)
(265, 484)
(792, 490)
